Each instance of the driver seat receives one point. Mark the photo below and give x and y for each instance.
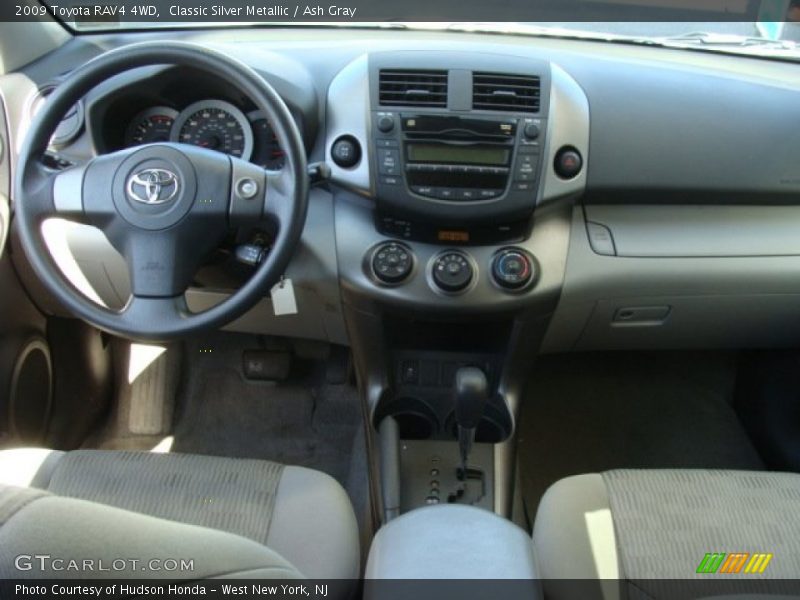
(232, 517)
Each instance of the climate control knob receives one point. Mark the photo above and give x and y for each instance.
(392, 262)
(512, 269)
(452, 272)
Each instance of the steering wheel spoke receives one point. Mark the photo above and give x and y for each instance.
(278, 199)
(150, 315)
(39, 191)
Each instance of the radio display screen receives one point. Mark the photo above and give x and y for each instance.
(449, 154)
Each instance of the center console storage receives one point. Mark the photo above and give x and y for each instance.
(455, 543)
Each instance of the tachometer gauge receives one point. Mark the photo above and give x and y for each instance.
(215, 125)
(151, 126)
(267, 152)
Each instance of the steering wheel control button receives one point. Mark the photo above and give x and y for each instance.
(346, 152)
(512, 269)
(452, 272)
(247, 188)
(568, 163)
(392, 263)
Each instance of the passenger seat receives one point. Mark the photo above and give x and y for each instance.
(641, 526)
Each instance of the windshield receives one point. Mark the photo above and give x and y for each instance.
(760, 27)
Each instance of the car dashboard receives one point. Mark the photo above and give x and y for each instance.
(631, 197)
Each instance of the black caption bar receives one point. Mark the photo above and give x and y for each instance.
(388, 589)
(175, 12)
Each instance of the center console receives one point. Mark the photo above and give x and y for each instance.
(433, 544)
(455, 174)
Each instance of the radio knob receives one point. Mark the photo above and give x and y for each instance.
(385, 124)
(452, 272)
(512, 269)
(531, 131)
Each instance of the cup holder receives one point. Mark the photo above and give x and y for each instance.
(416, 420)
(495, 425)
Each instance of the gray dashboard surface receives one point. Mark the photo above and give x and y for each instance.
(666, 125)
(700, 230)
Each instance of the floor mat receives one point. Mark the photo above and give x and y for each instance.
(586, 413)
(302, 421)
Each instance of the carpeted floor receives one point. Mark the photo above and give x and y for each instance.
(586, 413)
(301, 421)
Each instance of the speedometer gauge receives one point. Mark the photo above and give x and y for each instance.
(215, 125)
(150, 126)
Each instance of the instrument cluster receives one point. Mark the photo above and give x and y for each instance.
(213, 124)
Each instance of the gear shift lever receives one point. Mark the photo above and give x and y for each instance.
(470, 394)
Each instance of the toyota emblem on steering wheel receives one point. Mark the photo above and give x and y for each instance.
(153, 186)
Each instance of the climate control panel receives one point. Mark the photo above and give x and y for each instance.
(453, 271)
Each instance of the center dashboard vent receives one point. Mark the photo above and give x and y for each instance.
(498, 91)
(402, 87)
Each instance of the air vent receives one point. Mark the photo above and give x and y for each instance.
(413, 88)
(497, 91)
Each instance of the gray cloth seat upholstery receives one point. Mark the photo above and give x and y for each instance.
(642, 532)
(234, 517)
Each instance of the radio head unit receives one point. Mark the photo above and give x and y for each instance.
(457, 169)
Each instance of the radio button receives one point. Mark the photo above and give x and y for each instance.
(388, 161)
(467, 194)
(497, 170)
(422, 190)
(528, 150)
(445, 193)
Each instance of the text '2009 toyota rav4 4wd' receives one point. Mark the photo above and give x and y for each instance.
(400, 307)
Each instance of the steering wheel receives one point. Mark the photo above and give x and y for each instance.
(163, 206)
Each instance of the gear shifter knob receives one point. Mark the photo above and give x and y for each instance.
(471, 391)
(470, 395)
